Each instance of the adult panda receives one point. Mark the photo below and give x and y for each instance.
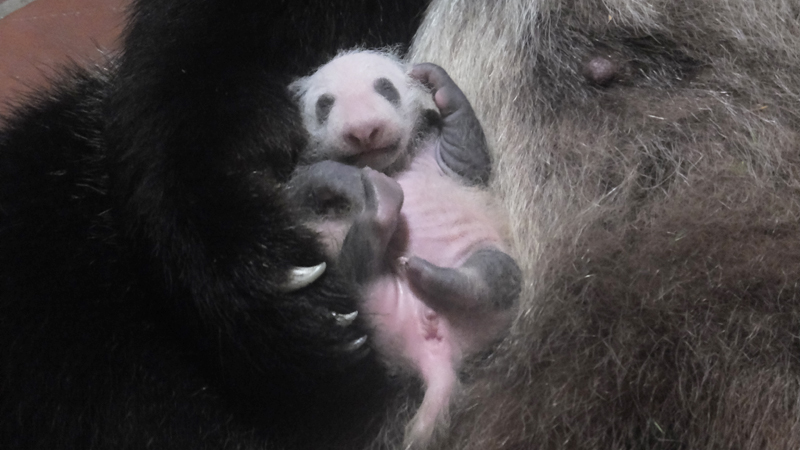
(648, 151)
(146, 255)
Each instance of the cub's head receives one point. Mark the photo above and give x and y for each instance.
(362, 108)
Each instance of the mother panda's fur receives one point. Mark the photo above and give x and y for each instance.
(649, 154)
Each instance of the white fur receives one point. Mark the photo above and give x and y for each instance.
(357, 106)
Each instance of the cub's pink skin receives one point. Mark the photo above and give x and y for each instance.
(394, 183)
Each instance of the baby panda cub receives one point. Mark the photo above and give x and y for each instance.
(394, 181)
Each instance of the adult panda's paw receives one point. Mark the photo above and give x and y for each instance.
(341, 325)
(353, 211)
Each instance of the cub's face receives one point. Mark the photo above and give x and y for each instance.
(360, 109)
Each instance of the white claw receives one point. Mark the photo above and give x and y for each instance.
(344, 320)
(301, 277)
(355, 345)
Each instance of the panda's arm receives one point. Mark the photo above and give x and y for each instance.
(203, 135)
(462, 150)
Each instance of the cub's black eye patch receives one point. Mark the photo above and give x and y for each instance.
(387, 90)
(324, 105)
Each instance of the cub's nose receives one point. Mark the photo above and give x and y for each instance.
(366, 135)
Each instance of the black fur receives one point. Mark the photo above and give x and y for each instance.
(142, 242)
(386, 89)
(324, 105)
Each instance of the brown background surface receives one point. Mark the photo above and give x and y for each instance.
(38, 38)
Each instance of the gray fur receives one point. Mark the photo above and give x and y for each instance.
(326, 140)
(648, 153)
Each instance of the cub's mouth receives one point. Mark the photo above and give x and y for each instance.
(378, 159)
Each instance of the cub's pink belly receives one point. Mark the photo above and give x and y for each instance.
(406, 326)
(444, 222)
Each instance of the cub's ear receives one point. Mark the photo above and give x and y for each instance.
(299, 87)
